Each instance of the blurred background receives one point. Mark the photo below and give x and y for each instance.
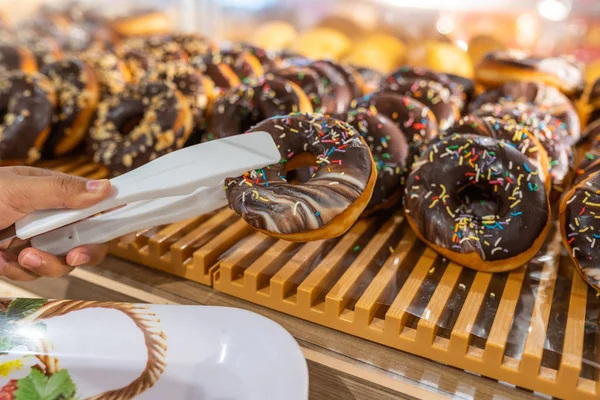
(412, 31)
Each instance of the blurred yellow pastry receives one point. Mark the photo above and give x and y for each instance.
(441, 57)
(480, 45)
(322, 43)
(379, 51)
(274, 35)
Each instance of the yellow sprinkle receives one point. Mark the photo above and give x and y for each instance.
(431, 156)
(433, 203)
(489, 174)
(584, 229)
(515, 203)
(450, 211)
(577, 221)
(474, 238)
(460, 160)
(486, 242)
(593, 204)
(391, 249)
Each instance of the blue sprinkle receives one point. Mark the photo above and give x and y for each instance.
(267, 184)
(526, 168)
(596, 236)
(317, 213)
(499, 226)
(515, 214)
(530, 186)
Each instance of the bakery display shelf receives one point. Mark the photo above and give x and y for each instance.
(532, 327)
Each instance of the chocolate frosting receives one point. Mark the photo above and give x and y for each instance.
(511, 133)
(465, 85)
(415, 120)
(563, 68)
(347, 72)
(338, 90)
(560, 155)
(408, 74)
(161, 47)
(581, 220)
(158, 106)
(235, 50)
(194, 44)
(433, 94)
(388, 148)
(474, 194)
(10, 57)
(69, 78)
(311, 84)
(45, 48)
(267, 201)
(213, 69)
(190, 82)
(546, 99)
(109, 69)
(244, 106)
(26, 105)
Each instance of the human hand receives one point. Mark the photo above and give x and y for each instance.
(26, 189)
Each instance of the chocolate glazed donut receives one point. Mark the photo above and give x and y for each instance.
(512, 134)
(325, 206)
(500, 67)
(478, 202)
(372, 79)
(415, 120)
(390, 152)
(138, 125)
(546, 99)
(350, 75)
(311, 84)
(78, 94)
(407, 74)
(16, 58)
(26, 105)
(242, 107)
(559, 154)
(432, 94)
(580, 227)
(219, 73)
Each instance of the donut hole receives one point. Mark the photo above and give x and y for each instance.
(478, 200)
(130, 123)
(300, 168)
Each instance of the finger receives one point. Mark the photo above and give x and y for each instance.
(55, 191)
(32, 171)
(87, 255)
(10, 268)
(43, 264)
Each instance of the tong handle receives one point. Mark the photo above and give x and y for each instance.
(175, 174)
(133, 217)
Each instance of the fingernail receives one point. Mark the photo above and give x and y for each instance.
(80, 259)
(97, 186)
(31, 260)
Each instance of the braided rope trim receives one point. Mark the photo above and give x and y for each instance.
(144, 319)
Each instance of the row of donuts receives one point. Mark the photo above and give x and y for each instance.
(579, 208)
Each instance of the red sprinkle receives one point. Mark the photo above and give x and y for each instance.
(582, 211)
(571, 240)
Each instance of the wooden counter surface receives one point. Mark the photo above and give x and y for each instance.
(341, 366)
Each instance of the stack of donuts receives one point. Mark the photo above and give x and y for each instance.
(477, 165)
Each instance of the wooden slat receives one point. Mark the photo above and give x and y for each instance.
(365, 306)
(534, 344)
(262, 270)
(570, 363)
(159, 244)
(339, 294)
(313, 284)
(283, 281)
(494, 347)
(459, 338)
(427, 325)
(395, 317)
(230, 264)
(183, 249)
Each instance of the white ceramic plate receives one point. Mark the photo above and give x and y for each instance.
(213, 353)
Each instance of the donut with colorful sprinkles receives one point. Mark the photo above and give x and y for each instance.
(478, 202)
(323, 207)
(415, 120)
(514, 135)
(579, 215)
(390, 153)
(431, 93)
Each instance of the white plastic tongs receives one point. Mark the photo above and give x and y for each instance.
(174, 187)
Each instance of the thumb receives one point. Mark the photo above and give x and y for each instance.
(32, 193)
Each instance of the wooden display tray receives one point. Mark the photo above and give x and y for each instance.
(379, 282)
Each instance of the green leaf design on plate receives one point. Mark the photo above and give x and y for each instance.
(38, 386)
(20, 308)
